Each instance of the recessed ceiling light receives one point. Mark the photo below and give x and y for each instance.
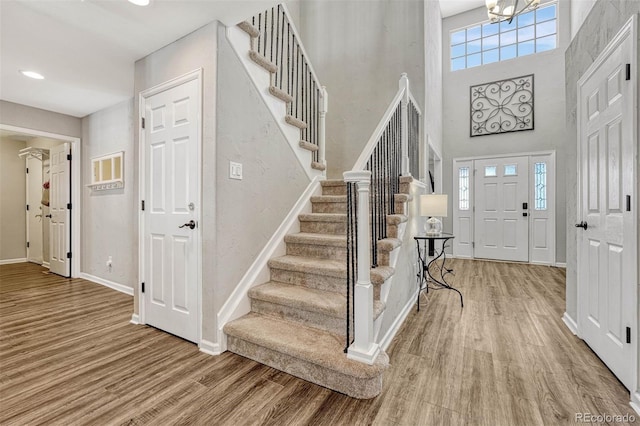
(32, 74)
(139, 2)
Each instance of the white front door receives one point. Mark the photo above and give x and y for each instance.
(501, 216)
(59, 203)
(606, 240)
(171, 215)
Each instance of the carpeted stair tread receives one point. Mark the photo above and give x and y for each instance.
(318, 239)
(389, 244)
(306, 343)
(289, 119)
(396, 219)
(332, 268)
(406, 179)
(262, 61)
(402, 198)
(280, 94)
(323, 217)
(329, 199)
(249, 28)
(318, 166)
(308, 299)
(308, 146)
(333, 182)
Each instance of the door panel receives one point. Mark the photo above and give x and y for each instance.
(172, 191)
(606, 268)
(59, 198)
(501, 229)
(463, 209)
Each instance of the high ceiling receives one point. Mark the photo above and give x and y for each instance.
(86, 49)
(453, 7)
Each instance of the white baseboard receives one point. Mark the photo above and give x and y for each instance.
(393, 330)
(46, 265)
(135, 319)
(238, 303)
(12, 261)
(209, 348)
(570, 323)
(115, 286)
(561, 265)
(635, 402)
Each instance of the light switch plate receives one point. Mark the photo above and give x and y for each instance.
(235, 170)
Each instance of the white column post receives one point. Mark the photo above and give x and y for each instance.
(404, 84)
(363, 349)
(324, 107)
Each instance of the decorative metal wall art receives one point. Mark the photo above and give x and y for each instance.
(502, 106)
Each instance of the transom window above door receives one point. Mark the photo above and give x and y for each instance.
(485, 43)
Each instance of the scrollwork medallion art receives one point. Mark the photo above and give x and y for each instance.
(502, 106)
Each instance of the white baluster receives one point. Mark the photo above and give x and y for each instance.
(363, 349)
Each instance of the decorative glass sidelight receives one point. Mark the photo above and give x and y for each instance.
(540, 187)
(463, 185)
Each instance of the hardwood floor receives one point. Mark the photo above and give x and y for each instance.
(68, 355)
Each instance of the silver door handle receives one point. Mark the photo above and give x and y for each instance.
(191, 224)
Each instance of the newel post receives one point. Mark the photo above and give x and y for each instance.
(404, 84)
(363, 349)
(324, 107)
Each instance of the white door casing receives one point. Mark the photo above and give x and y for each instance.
(501, 220)
(59, 201)
(171, 193)
(607, 248)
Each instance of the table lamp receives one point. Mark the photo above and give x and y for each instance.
(433, 205)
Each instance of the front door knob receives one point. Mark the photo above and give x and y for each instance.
(582, 225)
(191, 224)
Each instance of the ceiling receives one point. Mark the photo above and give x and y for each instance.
(86, 49)
(453, 7)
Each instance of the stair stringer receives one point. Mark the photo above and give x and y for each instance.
(406, 231)
(240, 41)
(239, 303)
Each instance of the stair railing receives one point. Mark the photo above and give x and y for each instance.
(392, 151)
(279, 42)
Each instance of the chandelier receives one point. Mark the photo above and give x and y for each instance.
(506, 10)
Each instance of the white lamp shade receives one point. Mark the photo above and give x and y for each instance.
(433, 205)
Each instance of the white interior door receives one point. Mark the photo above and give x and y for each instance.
(501, 202)
(606, 241)
(59, 201)
(35, 216)
(171, 194)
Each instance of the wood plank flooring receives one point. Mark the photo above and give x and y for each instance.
(69, 356)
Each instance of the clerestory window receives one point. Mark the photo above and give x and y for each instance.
(485, 43)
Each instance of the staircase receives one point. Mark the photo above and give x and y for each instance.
(297, 322)
(300, 91)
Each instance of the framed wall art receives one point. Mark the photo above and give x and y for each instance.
(502, 106)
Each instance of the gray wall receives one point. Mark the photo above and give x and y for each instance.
(549, 102)
(196, 50)
(433, 73)
(39, 119)
(13, 223)
(602, 24)
(359, 49)
(109, 225)
(249, 210)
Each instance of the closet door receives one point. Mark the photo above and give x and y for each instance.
(59, 210)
